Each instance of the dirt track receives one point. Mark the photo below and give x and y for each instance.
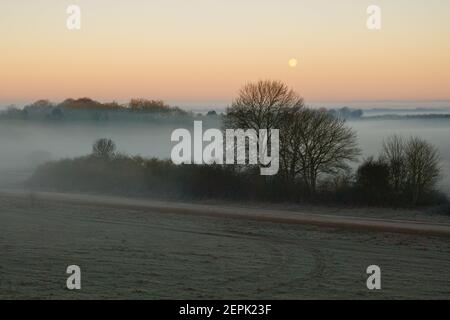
(137, 249)
(265, 215)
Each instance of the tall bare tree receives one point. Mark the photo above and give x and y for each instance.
(422, 167)
(393, 153)
(104, 148)
(262, 105)
(315, 143)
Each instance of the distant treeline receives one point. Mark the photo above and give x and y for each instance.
(430, 116)
(86, 109)
(357, 114)
(346, 113)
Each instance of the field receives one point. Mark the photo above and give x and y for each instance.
(131, 252)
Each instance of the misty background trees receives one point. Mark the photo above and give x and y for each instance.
(104, 148)
(86, 109)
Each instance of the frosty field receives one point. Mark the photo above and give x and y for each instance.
(133, 253)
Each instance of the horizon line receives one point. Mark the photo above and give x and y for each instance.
(205, 103)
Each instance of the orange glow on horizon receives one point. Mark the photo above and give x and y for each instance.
(207, 50)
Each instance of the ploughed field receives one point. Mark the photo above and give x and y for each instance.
(135, 253)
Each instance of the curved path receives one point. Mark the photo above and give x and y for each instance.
(230, 212)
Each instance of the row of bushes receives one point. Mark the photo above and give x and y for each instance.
(137, 176)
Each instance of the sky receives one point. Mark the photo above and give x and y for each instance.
(203, 51)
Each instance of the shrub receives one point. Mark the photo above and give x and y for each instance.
(104, 148)
(372, 182)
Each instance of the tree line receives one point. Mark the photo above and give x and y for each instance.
(88, 109)
(318, 147)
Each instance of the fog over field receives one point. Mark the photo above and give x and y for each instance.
(24, 145)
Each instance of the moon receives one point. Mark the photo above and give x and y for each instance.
(293, 63)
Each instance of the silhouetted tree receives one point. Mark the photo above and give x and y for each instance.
(372, 179)
(413, 166)
(104, 148)
(315, 143)
(262, 105)
(393, 153)
(422, 168)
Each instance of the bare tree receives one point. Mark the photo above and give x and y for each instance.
(315, 143)
(413, 166)
(262, 105)
(393, 153)
(422, 167)
(104, 148)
